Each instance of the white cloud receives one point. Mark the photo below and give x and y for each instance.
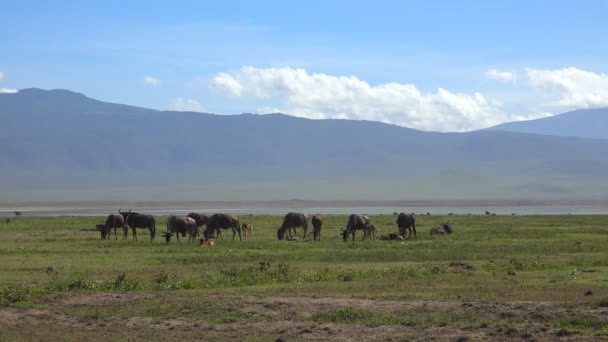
(1, 75)
(186, 105)
(505, 76)
(318, 96)
(152, 81)
(8, 91)
(570, 88)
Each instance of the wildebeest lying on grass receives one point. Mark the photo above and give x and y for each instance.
(222, 221)
(392, 237)
(293, 220)
(406, 221)
(201, 220)
(247, 229)
(206, 243)
(444, 228)
(317, 223)
(136, 220)
(182, 225)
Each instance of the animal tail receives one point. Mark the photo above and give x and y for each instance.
(153, 228)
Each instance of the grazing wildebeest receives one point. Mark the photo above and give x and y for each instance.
(181, 225)
(103, 230)
(136, 220)
(488, 213)
(406, 221)
(201, 220)
(293, 220)
(8, 220)
(317, 222)
(114, 222)
(444, 228)
(222, 221)
(17, 213)
(356, 222)
(247, 229)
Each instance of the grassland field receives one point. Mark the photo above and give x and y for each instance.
(496, 277)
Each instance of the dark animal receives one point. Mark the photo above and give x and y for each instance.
(406, 221)
(103, 230)
(356, 222)
(115, 222)
(294, 220)
(136, 220)
(201, 220)
(317, 222)
(487, 213)
(182, 225)
(393, 237)
(445, 228)
(8, 220)
(17, 213)
(167, 236)
(222, 221)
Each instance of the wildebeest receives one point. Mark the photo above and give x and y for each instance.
(114, 222)
(181, 225)
(136, 220)
(356, 222)
(406, 221)
(103, 230)
(371, 230)
(488, 213)
(317, 222)
(291, 221)
(294, 220)
(247, 229)
(17, 213)
(222, 221)
(444, 228)
(201, 220)
(393, 237)
(8, 220)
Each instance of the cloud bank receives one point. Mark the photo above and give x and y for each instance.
(570, 88)
(322, 96)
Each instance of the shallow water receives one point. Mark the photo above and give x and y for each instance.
(371, 210)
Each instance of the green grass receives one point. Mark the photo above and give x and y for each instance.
(497, 259)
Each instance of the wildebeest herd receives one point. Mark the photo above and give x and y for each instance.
(210, 227)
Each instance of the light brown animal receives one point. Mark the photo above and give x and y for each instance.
(207, 243)
(247, 229)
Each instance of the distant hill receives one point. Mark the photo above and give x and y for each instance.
(584, 123)
(61, 145)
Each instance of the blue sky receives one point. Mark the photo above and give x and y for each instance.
(448, 66)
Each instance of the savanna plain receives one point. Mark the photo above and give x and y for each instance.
(494, 278)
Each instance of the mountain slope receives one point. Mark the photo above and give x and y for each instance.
(584, 123)
(60, 144)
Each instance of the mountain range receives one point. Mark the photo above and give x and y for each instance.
(62, 145)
